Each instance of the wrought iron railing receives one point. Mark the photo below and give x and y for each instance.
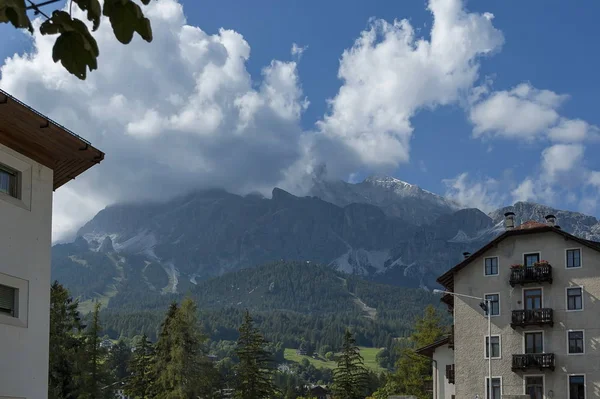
(541, 361)
(532, 274)
(532, 317)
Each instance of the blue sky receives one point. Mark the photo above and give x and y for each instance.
(476, 150)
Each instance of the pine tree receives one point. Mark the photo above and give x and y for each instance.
(117, 361)
(350, 376)
(139, 384)
(65, 325)
(412, 369)
(182, 368)
(95, 379)
(255, 368)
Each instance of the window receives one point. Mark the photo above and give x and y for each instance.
(573, 258)
(576, 342)
(8, 300)
(575, 298)
(9, 181)
(532, 298)
(534, 387)
(534, 342)
(494, 301)
(576, 387)
(495, 391)
(491, 266)
(495, 347)
(530, 259)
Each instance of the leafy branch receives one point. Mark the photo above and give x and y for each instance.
(76, 48)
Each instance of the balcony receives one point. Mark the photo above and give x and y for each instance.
(538, 361)
(532, 317)
(528, 275)
(451, 338)
(450, 373)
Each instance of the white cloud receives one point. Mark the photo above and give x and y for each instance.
(525, 191)
(178, 113)
(485, 195)
(561, 158)
(298, 51)
(525, 112)
(388, 75)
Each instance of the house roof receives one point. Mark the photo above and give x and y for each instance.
(530, 227)
(34, 135)
(429, 349)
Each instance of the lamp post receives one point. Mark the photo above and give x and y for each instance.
(485, 305)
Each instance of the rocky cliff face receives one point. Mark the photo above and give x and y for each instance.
(382, 229)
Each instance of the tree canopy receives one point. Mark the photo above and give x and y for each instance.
(75, 47)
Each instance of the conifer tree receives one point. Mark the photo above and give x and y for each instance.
(95, 378)
(350, 376)
(412, 369)
(254, 371)
(182, 368)
(65, 326)
(139, 384)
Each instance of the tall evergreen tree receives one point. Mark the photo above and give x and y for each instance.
(139, 383)
(412, 369)
(183, 370)
(65, 325)
(118, 359)
(95, 379)
(254, 371)
(350, 376)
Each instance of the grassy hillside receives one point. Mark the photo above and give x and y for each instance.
(367, 353)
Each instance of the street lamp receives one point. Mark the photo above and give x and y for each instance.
(486, 306)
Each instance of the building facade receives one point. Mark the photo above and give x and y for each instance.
(543, 286)
(36, 157)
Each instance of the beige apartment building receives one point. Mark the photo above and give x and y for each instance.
(37, 156)
(543, 285)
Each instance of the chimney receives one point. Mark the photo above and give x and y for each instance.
(551, 220)
(466, 254)
(509, 220)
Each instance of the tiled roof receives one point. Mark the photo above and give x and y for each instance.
(530, 224)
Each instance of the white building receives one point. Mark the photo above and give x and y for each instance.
(37, 156)
(441, 353)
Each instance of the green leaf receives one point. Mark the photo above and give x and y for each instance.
(94, 11)
(14, 11)
(126, 18)
(75, 48)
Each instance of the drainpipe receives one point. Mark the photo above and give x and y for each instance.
(435, 379)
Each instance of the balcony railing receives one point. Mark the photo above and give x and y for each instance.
(450, 373)
(534, 274)
(532, 317)
(541, 361)
(428, 386)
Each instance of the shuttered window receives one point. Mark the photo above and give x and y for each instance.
(8, 299)
(9, 181)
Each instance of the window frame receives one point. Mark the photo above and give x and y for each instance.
(567, 258)
(525, 341)
(17, 177)
(485, 347)
(499, 303)
(497, 266)
(22, 301)
(538, 253)
(582, 331)
(534, 375)
(485, 385)
(525, 289)
(569, 383)
(567, 298)
(13, 161)
(15, 304)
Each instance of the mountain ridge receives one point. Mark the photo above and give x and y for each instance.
(174, 245)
